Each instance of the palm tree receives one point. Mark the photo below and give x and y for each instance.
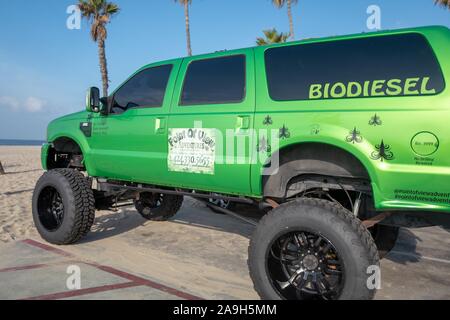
(443, 3)
(272, 36)
(186, 4)
(99, 13)
(280, 4)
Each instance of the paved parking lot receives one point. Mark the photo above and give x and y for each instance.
(43, 270)
(197, 255)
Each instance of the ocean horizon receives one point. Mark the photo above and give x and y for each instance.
(20, 142)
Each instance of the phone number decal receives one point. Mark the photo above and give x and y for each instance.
(192, 150)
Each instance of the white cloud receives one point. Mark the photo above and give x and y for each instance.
(9, 102)
(30, 104)
(33, 104)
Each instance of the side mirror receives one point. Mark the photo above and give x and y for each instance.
(93, 100)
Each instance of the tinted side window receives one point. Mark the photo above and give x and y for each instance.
(214, 81)
(396, 65)
(146, 89)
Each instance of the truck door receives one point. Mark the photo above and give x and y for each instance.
(211, 122)
(130, 143)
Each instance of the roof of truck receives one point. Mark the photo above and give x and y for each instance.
(426, 30)
(423, 30)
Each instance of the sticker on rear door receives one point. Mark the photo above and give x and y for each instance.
(192, 150)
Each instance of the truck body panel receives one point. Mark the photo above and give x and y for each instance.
(402, 141)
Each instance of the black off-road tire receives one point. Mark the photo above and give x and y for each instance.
(78, 206)
(385, 238)
(168, 207)
(351, 239)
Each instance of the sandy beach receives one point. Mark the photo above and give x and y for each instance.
(23, 168)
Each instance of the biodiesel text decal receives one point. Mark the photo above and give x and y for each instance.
(373, 88)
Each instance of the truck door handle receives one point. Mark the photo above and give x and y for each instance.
(243, 122)
(160, 125)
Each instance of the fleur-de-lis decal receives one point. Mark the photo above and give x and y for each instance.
(375, 121)
(315, 129)
(268, 121)
(285, 133)
(263, 145)
(354, 136)
(383, 152)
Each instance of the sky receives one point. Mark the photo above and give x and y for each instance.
(46, 68)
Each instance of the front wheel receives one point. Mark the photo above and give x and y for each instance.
(63, 206)
(311, 249)
(158, 207)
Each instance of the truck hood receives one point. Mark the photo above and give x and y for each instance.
(73, 116)
(61, 125)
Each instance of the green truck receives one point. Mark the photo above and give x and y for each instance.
(339, 141)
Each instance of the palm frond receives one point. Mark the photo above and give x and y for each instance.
(443, 3)
(86, 9)
(280, 3)
(111, 8)
(98, 13)
(261, 42)
(272, 36)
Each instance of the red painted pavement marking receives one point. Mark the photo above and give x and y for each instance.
(146, 282)
(39, 266)
(30, 267)
(47, 248)
(135, 280)
(75, 293)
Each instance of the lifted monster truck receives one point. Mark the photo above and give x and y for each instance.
(345, 139)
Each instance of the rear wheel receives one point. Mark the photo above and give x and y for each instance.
(311, 249)
(63, 206)
(158, 207)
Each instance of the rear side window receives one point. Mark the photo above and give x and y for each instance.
(145, 89)
(398, 65)
(214, 81)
